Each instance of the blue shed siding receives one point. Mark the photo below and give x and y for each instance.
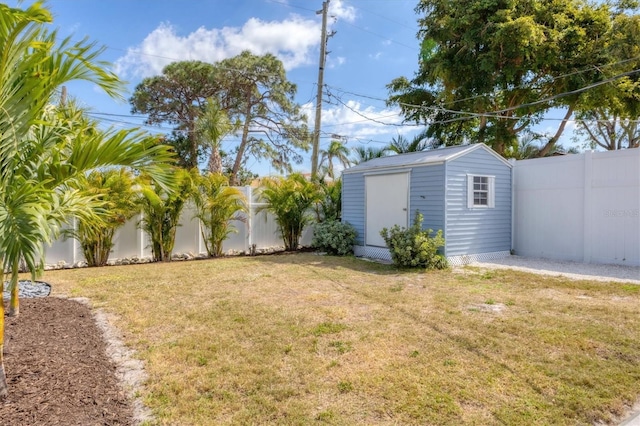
(426, 194)
(476, 231)
(353, 203)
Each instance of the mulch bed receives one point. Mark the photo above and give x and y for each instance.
(57, 368)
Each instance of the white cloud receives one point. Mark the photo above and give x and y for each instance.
(334, 62)
(339, 10)
(359, 123)
(291, 40)
(375, 56)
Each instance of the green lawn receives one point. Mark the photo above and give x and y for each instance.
(306, 339)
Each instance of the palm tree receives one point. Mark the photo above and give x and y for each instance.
(530, 146)
(420, 142)
(330, 206)
(162, 207)
(212, 125)
(336, 151)
(44, 154)
(114, 187)
(363, 154)
(217, 204)
(290, 200)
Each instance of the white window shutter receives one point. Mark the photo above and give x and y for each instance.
(469, 191)
(492, 191)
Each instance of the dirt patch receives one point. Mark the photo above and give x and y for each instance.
(58, 370)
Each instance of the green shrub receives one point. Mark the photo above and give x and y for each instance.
(290, 201)
(334, 237)
(330, 206)
(415, 247)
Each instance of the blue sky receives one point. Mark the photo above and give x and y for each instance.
(374, 42)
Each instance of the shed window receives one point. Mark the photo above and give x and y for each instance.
(480, 191)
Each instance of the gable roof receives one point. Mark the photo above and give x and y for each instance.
(422, 158)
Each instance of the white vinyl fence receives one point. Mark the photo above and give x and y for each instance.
(130, 242)
(581, 207)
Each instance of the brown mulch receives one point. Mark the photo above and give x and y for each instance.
(57, 368)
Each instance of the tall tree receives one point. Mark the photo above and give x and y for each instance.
(336, 151)
(257, 94)
(181, 145)
(603, 128)
(485, 66)
(178, 97)
(252, 90)
(608, 115)
(44, 154)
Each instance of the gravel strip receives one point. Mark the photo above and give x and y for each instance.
(572, 270)
(28, 288)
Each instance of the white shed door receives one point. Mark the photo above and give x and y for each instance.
(387, 204)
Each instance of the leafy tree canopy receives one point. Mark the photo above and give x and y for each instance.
(251, 90)
(336, 151)
(177, 97)
(491, 69)
(608, 115)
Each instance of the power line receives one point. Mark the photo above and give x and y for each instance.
(388, 19)
(291, 5)
(381, 36)
(586, 69)
(571, 92)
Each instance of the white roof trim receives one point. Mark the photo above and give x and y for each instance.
(475, 146)
(416, 163)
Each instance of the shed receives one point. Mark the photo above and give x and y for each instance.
(464, 190)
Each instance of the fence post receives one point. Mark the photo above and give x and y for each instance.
(587, 205)
(141, 235)
(74, 242)
(513, 163)
(249, 225)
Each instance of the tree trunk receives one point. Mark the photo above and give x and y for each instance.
(193, 145)
(3, 378)
(215, 160)
(241, 149)
(14, 303)
(552, 142)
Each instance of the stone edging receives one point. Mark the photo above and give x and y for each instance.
(135, 260)
(129, 370)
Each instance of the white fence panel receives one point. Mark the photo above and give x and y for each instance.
(239, 240)
(129, 241)
(264, 229)
(256, 227)
(66, 250)
(188, 235)
(614, 216)
(582, 207)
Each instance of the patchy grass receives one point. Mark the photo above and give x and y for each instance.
(303, 339)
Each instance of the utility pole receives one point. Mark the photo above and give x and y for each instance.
(323, 55)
